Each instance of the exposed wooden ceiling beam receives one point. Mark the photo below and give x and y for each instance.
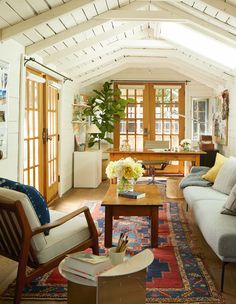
(67, 66)
(72, 31)
(221, 6)
(87, 43)
(122, 53)
(75, 30)
(112, 47)
(126, 63)
(197, 75)
(198, 21)
(210, 19)
(115, 69)
(127, 15)
(204, 59)
(142, 61)
(53, 13)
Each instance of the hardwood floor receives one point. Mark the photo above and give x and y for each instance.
(74, 198)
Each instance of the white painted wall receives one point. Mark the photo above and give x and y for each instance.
(66, 136)
(11, 52)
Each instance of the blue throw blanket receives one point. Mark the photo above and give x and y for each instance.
(195, 178)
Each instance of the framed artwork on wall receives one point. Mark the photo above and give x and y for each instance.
(220, 118)
(4, 77)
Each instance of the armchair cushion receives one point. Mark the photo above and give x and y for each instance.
(37, 200)
(38, 241)
(64, 237)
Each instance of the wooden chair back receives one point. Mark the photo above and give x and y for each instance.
(154, 144)
(14, 231)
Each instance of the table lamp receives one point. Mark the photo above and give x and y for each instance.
(93, 129)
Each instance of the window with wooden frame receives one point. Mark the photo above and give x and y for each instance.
(131, 127)
(153, 116)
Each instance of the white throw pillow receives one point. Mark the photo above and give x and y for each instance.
(230, 205)
(226, 178)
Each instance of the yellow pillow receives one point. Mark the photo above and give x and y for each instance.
(212, 173)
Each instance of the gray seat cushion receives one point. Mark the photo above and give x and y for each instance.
(219, 230)
(195, 193)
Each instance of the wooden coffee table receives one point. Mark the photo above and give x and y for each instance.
(121, 206)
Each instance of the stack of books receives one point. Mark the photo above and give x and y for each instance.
(86, 265)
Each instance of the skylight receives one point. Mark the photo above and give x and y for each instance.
(200, 43)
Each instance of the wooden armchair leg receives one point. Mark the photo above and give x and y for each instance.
(21, 272)
(95, 247)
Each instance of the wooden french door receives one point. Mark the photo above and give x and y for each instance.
(41, 134)
(154, 114)
(51, 138)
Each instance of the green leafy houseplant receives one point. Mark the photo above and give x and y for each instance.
(104, 109)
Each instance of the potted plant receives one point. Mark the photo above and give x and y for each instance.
(105, 107)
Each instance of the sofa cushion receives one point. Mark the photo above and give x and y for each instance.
(37, 200)
(38, 241)
(230, 205)
(218, 230)
(64, 237)
(226, 178)
(212, 173)
(193, 194)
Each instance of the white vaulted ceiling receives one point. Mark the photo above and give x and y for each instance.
(90, 40)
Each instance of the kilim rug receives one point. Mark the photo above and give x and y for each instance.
(177, 274)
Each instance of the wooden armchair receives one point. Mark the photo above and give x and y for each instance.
(22, 238)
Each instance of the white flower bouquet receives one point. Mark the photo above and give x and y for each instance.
(186, 144)
(126, 170)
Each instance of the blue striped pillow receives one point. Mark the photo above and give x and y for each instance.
(37, 200)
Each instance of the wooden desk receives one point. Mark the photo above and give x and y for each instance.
(193, 156)
(117, 206)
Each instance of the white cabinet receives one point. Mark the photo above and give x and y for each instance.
(87, 169)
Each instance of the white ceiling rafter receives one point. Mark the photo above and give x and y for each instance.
(86, 43)
(222, 6)
(108, 48)
(75, 30)
(70, 32)
(174, 53)
(204, 24)
(120, 66)
(89, 57)
(204, 16)
(196, 62)
(126, 63)
(123, 53)
(197, 76)
(19, 28)
(203, 59)
(126, 15)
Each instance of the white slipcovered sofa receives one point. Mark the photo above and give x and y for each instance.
(219, 230)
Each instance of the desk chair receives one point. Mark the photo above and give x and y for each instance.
(154, 165)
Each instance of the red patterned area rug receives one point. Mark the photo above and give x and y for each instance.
(177, 274)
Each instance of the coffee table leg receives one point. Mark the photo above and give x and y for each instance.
(154, 227)
(108, 227)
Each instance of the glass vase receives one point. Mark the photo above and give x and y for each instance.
(124, 184)
(186, 148)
